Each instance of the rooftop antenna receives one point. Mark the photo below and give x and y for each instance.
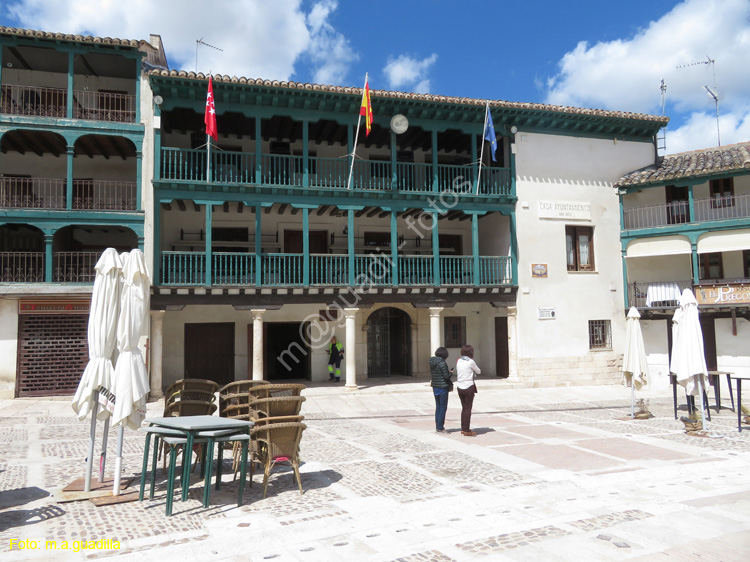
(661, 136)
(202, 42)
(712, 91)
(715, 97)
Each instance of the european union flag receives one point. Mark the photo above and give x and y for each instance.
(489, 134)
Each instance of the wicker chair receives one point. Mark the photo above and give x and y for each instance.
(234, 398)
(253, 455)
(287, 389)
(277, 443)
(274, 407)
(191, 384)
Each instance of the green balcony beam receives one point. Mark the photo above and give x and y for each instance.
(258, 246)
(435, 250)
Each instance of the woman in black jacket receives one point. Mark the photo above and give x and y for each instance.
(441, 386)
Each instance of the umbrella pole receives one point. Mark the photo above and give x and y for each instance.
(632, 397)
(118, 461)
(92, 437)
(103, 456)
(703, 409)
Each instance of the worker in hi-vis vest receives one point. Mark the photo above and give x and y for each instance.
(335, 355)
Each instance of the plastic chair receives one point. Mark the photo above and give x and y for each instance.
(278, 443)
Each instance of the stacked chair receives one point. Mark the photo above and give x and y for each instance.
(192, 397)
(275, 410)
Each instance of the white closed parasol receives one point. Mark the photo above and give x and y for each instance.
(634, 361)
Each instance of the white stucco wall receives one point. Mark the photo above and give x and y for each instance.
(8, 346)
(578, 170)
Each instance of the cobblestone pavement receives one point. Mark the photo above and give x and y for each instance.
(554, 474)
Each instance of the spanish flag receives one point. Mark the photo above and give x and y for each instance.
(366, 108)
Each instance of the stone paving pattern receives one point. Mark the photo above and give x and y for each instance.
(559, 474)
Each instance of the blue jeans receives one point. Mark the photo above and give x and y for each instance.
(441, 406)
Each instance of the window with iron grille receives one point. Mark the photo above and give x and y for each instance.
(600, 334)
(579, 248)
(455, 331)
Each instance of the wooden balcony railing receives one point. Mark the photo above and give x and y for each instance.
(74, 267)
(180, 164)
(49, 193)
(28, 267)
(678, 212)
(283, 270)
(52, 102)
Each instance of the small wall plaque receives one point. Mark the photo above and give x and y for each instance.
(546, 313)
(539, 270)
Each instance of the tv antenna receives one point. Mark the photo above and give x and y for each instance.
(202, 42)
(661, 136)
(712, 91)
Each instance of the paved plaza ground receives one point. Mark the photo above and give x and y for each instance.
(554, 474)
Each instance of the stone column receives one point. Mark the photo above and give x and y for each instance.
(258, 343)
(513, 375)
(435, 341)
(157, 350)
(350, 348)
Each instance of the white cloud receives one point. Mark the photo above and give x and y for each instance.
(409, 72)
(329, 50)
(700, 131)
(625, 74)
(257, 38)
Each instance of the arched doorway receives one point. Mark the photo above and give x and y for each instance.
(388, 343)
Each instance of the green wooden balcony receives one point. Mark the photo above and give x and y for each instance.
(288, 270)
(190, 165)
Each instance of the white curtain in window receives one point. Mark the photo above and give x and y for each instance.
(583, 249)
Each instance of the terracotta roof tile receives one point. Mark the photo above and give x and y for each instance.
(69, 37)
(412, 96)
(696, 163)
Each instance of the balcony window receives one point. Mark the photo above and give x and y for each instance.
(579, 245)
(710, 266)
(746, 262)
(722, 192)
(454, 328)
(600, 334)
(677, 205)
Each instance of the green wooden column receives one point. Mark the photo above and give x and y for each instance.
(258, 153)
(474, 165)
(137, 90)
(691, 204)
(435, 250)
(626, 296)
(394, 162)
(475, 248)
(350, 245)
(513, 169)
(394, 248)
(49, 262)
(208, 281)
(435, 173)
(349, 148)
(69, 105)
(306, 247)
(138, 180)
(157, 151)
(696, 265)
(305, 153)
(258, 246)
(70, 149)
(157, 242)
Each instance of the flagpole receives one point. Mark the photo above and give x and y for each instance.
(356, 138)
(481, 152)
(208, 153)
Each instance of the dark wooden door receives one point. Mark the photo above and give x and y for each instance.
(209, 352)
(293, 241)
(502, 359)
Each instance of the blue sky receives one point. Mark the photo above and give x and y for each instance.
(610, 55)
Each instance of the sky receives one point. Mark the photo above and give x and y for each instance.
(588, 53)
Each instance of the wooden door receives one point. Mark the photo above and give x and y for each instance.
(502, 358)
(209, 352)
(293, 241)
